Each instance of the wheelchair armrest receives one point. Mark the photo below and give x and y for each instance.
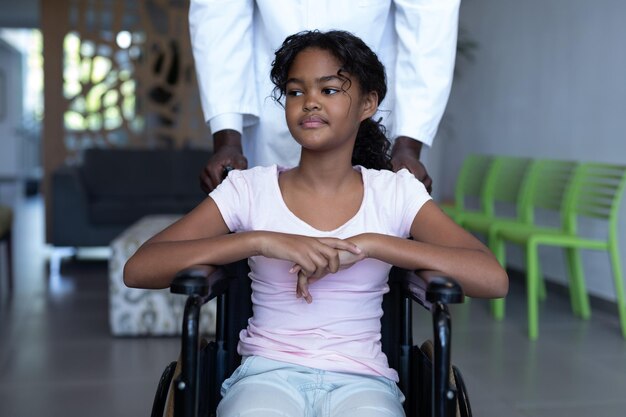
(200, 283)
(202, 280)
(434, 292)
(425, 287)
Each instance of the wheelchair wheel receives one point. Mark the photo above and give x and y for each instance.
(464, 409)
(160, 397)
(456, 381)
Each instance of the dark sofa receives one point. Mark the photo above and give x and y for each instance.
(94, 202)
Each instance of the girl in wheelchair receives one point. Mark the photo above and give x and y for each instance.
(321, 238)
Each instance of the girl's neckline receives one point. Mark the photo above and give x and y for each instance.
(279, 195)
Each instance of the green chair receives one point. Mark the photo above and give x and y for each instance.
(502, 185)
(501, 192)
(6, 220)
(469, 185)
(543, 188)
(593, 191)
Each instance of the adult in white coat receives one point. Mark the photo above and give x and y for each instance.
(233, 45)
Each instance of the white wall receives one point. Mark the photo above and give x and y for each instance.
(548, 80)
(10, 111)
(13, 14)
(19, 14)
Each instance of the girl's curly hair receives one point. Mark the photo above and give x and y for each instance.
(371, 148)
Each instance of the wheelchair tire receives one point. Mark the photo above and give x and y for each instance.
(160, 397)
(464, 408)
(428, 349)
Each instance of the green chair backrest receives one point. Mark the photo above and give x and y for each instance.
(504, 182)
(544, 187)
(596, 191)
(471, 179)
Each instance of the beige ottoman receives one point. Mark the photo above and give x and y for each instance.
(138, 312)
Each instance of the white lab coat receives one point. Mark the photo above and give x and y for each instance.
(234, 42)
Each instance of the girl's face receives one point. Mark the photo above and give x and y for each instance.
(324, 110)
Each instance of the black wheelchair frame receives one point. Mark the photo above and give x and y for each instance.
(432, 386)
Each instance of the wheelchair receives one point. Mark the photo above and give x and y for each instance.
(190, 387)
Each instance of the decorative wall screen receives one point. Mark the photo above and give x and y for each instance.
(128, 76)
(117, 73)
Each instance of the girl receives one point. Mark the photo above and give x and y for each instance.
(320, 238)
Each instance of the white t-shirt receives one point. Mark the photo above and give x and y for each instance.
(340, 330)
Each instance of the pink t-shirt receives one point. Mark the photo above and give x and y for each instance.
(340, 330)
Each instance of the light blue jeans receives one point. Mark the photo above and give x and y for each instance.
(262, 387)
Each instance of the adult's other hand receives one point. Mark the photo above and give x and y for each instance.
(227, 152)
(406, 154)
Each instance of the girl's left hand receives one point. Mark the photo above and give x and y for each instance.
(346, 260)
(302, 287)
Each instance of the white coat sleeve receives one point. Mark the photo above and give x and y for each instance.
(222, 43)
(427, 35)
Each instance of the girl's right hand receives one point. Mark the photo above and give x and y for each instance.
(346, 260)
(346, 257)
(314, 257)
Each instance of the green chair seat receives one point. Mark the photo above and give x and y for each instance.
(479, 223)
(520, 233)
(564, 240)
(476, 222)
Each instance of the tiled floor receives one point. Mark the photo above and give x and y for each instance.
(57, 358)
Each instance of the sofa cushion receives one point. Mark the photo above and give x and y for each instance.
(187, 167)
(95, 201)
(110, 212)
(136, 174)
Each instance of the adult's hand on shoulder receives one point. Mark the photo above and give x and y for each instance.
(227, 152)
(406, 154)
